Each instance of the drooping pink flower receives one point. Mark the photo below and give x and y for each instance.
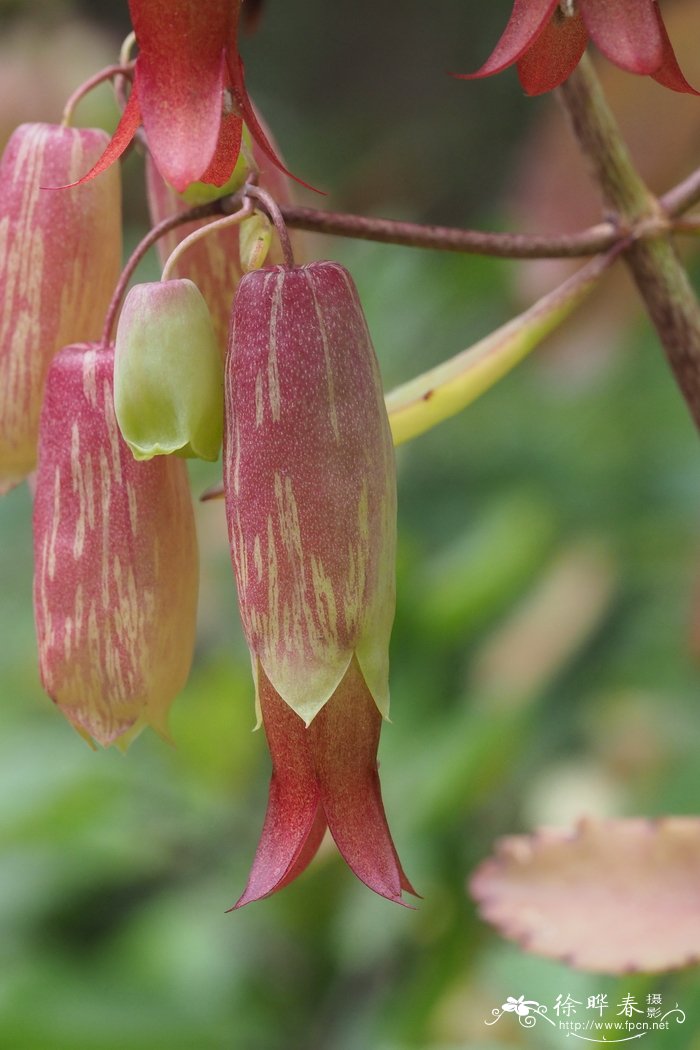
(311, 506)
(60, 256)
(189, 92)
(116, 573)
(546, 39)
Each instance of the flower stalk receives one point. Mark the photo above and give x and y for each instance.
(653, 262)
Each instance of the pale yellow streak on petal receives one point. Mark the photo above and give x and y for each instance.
(332, 410)
(273, 377)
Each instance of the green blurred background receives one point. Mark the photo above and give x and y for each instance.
(544, 660)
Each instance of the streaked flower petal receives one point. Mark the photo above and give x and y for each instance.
(308, 446)
(115, 586)
(60, 256)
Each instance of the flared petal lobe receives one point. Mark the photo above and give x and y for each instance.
(60, 256)
(528, 19)
(669, 73)
(181, 73)
(115, 585)
(293, 808)
(168, 376)
(547, 44)
(343, 740)
(310, 484)
(325, 775)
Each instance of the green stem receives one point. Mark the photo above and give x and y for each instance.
(660, 277)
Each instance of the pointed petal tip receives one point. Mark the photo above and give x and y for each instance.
(669, 73)
(240, 93)
(122, 138)
(527, 21)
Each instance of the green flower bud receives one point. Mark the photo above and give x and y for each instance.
(204, 192)
(255, 238)
(168, 379)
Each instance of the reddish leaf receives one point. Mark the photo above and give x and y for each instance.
(626, 31)
(554, 55)
(527, 21)
(614, 896)
(180, 73)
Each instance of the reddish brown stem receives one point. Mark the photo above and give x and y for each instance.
(450, 239)
(202, 211)
(108, 73)
(683, 196)
(276, 215)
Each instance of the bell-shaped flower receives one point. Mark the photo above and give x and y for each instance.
(116, 571)
(213, 262)
(546, 39)
(310, 487)
(60, 256)
(189, 92)
(168, 374)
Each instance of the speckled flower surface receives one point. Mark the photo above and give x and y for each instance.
(116, 573)
(60, 256)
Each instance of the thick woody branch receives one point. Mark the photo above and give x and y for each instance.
(657, 271)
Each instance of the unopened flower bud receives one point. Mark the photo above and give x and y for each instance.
(202, 192)
(59, 262)
(168, 379)
(254, 241)
(115, 585)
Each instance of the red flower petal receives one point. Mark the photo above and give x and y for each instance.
(228, 147)
(245, 106)
(528, 19)
(554, 55)
(669, 72)
(626, 31)
(180, 73)
(308, 850)
(120, 140)
(290, 835)
(344, 738)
